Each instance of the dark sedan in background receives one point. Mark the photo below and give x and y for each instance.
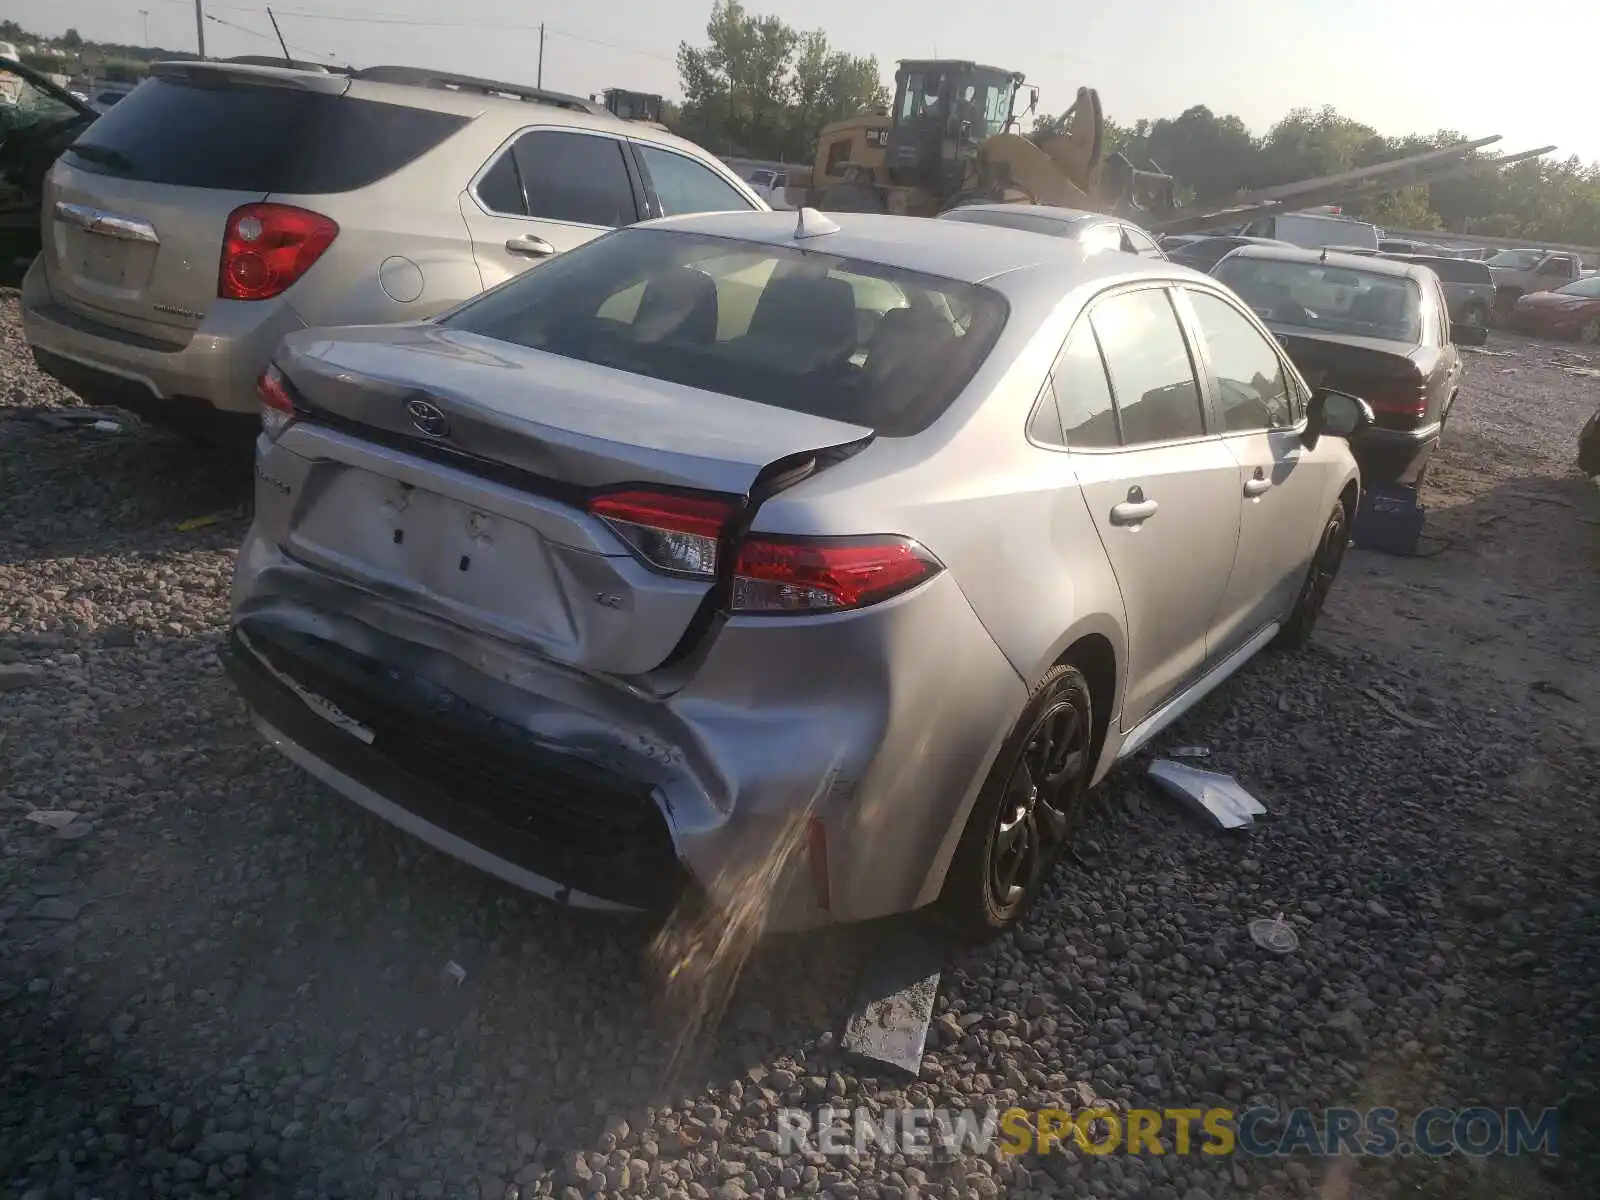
(1572, 311)
(1375, 327)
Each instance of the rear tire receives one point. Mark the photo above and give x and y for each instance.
(1029, 809)
(1590, 333)
(1476, 315)
(854, 197)
(1324, 569)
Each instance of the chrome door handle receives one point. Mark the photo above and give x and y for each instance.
(533, 247)
(1133, 512)
(1256, 487)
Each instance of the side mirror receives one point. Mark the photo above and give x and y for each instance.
(1468, 335)
(1337, 414)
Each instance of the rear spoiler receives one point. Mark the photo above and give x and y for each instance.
(208, 73)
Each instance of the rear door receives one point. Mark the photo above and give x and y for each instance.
(1162, 489)
(547, 190)
(1260, 411)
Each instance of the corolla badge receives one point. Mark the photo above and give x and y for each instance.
(426, 418)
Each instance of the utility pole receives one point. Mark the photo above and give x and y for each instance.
(541, 52)
(145, 13)
(200, 26)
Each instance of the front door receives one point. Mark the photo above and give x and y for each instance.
(547, 191)
(1160, 486)
(1280, 484)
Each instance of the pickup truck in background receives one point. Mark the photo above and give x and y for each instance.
(1469, 287)
(1518, 273)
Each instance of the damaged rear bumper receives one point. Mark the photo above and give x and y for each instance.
(826, 764)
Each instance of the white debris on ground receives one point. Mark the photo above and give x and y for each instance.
(230, 985)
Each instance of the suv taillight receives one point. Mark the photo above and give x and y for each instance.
(277, 403)
(771, 574)
(266, 247)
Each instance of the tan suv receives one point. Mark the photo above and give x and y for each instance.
(220, 206)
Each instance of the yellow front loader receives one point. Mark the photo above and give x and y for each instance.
(951, 139)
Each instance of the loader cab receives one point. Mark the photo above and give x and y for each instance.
(943, 111)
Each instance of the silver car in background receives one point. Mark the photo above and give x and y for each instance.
(825, 562)
(221, 205)
(1095, 231)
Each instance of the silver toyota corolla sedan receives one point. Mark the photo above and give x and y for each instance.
(825, 562)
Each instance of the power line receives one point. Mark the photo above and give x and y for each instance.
(382, 18)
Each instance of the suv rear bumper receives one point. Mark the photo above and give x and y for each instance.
(213, 374)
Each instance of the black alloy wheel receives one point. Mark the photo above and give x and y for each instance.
(1028, 811)
(1324, 569)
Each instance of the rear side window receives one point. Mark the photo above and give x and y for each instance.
(1082, 393)
(1158, 399)
(685, 186)
(245, 138)
(575, 177)
(800, 330)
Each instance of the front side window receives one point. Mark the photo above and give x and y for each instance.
(576, 177)
(1101, 237)
(1152, 377)
(685, 186)
(1136, 242)
(1251, 383)
(1557, 266)
(803, 330)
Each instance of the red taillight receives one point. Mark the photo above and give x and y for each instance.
(776, 574)
(266, 247)
(1408, 399)
(678, 534)
(277, 405)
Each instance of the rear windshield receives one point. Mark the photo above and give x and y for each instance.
(1455, 270)
(1313, 295)
(1031, 222)
(797, 329)
(246, 138)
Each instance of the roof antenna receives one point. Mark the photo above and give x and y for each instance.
(283, 45)
(811, 223)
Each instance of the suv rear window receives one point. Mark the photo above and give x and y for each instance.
(248, 138)
(796, 329)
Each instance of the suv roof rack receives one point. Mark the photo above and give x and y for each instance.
(425, 77)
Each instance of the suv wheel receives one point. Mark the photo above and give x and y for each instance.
(1477, 315)
(1590, 333)
(1324, 569)
(1028, 810)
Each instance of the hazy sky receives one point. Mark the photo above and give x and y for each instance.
(1480, 66)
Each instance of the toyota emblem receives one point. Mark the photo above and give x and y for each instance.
(428, 419)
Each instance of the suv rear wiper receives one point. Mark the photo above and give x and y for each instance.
(104, 155)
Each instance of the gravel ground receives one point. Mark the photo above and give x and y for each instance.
(221, 980)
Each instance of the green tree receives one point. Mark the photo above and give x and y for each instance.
(72, 40)
(763, 89)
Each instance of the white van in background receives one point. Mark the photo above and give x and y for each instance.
(1313, 231)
